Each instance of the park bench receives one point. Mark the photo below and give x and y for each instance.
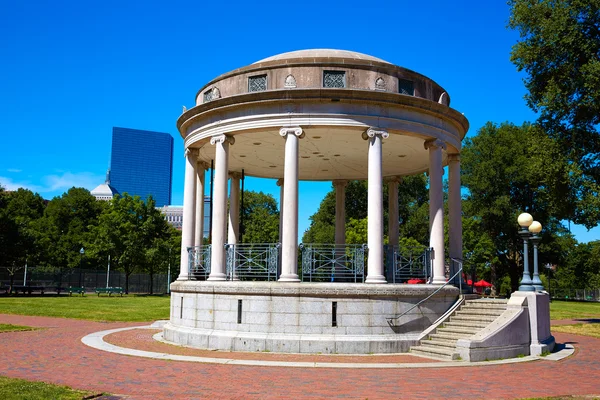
(74, 289)
(110, 290)
(28, 289)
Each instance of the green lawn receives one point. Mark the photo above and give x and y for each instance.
(574, 310)
(127, 308)
(19, 389)
(14, 328)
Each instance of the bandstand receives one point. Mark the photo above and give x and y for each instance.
(322, 115)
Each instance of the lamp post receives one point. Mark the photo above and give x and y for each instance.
(80, 261)
(525, 220)
(535, 228)
(169, 274)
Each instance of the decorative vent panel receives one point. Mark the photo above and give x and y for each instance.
(334, 79)
(257, 83)
(406, 87)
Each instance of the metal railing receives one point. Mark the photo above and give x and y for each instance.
(333, 263)
(199, 262)
(251, 261)
(409, 263)
(391, 320)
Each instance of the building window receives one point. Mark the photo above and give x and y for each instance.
(406, 87)
(257, 83)
(208, 95)
(334, 79)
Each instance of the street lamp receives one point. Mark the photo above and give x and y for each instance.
(535, 228)
(81, 252)
(525, 220)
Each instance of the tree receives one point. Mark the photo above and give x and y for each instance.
(559, 48)
(127, 229)
(261, 218)
(413, 212)
(19, 211)
(65, 228)
(507, 170)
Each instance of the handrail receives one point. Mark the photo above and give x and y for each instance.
(390, 320)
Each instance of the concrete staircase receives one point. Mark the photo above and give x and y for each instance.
(472, 317)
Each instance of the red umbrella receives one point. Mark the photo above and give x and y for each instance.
(482, 283)
(415, 281)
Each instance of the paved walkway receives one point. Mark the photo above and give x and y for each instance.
(56, 354)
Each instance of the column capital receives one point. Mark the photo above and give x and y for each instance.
(191, 153)
(279, 182)
(222, 139)
(295, 130)
(340, 183)
(434, 143)
(235, 175)
(454, 157)
(392, 179)
(372, 132)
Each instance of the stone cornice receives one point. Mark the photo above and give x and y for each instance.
(308, 289)
(282, 97)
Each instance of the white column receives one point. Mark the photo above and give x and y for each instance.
(219, 217)
(340, 211)
(454, 210)
(189, 205)
(280, 184)
(393, 215)
(436, 209)
(289, 242)
(375, 205)
(199, 225)
(234, 208)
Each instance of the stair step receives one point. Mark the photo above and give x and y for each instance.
(484, 306)
(478, 312)
(438, 344)
(487, 301)
(449, 336)
(461, 330)
(466, 324)
(434, 352)
(477, 318)
(441, 338)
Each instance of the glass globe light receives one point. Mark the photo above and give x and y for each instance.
(535, 227)
(525, 220)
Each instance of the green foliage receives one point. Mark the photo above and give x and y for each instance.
(94, 308)
(558, 50)
(508, 170)
(19, 212)
(128, 230)
(356, 231)
(261, 218)
(413, 212)
(65, 228)
(20, 389)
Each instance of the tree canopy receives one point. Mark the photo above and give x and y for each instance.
(260, 218)
(559, 51)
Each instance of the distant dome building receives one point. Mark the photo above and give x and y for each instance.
(323, 115)
(104, 191)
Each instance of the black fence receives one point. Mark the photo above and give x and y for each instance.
(90, 279)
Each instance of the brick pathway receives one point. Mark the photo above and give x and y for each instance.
(55, 354)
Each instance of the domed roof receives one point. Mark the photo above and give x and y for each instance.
(321, 53)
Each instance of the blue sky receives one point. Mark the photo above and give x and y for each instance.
(71, 70)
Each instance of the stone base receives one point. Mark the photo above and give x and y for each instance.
(343, 318)
(282, 343)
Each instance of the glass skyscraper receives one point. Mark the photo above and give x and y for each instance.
(141, 164)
